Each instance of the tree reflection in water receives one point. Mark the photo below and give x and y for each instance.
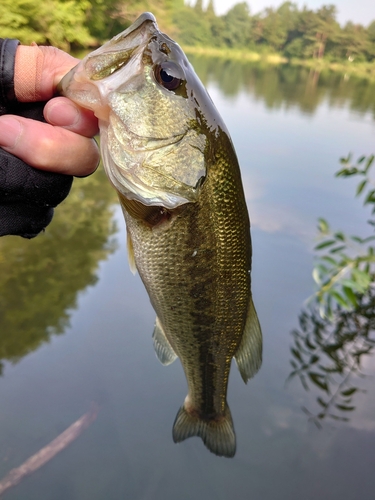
(286, 86)
(40, 279)
(328, 354)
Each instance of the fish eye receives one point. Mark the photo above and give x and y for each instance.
(168, 75)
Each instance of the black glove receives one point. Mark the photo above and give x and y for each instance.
(27, 195)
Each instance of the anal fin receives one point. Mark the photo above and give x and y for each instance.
(163, 348)
(249, 353)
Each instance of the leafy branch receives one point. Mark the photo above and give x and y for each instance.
(345, 264)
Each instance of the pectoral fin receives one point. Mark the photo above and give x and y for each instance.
(249, 353)
(131, 258)
(163, 348)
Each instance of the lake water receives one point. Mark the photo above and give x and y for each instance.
(76, 325)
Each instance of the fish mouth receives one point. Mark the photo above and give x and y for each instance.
(103, 67)
(143, 18)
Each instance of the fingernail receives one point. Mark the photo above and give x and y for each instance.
(10, 130)
(62, 114)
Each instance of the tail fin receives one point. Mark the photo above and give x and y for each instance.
(217, 433)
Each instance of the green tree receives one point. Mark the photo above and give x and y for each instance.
(274, 29)
(354, 42)
(104, 19)
(371, 41)
(237, 26)
(317, 29)
(57, 22)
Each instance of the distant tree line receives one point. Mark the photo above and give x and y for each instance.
(296, 33)
(300, 33)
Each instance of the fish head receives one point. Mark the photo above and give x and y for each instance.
(156, 118)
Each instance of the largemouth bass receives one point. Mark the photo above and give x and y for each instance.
(168, 153)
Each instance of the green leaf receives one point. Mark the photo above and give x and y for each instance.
(357, 239)
(325, 244)
(337, 249)
(369, 163)
(353, 285)
(360, 187)
(361, 159)
(322, 269)
(347, 172)
(345, 161)
(316, 276)
(323, 226)
(340, 299)
(350, 295)
(329, 259)
(361, 277)
(339, 236)
(370, 198)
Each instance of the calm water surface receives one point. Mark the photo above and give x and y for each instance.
(76, 325)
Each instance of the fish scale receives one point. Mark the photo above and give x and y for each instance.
(178, 282)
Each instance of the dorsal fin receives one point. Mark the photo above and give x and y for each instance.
(249, 353)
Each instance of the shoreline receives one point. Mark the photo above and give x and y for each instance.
(362, 69)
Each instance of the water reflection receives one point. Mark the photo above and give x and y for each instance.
(329, 355)
(287, 86)
(41, 278)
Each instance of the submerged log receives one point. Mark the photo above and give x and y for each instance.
(44, 455)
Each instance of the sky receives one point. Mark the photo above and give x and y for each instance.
(358, 11)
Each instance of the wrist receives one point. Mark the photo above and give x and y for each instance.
(7, 56)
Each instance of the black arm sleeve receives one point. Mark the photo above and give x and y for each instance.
(27, 195)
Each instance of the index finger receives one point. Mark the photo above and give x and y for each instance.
(38, 70)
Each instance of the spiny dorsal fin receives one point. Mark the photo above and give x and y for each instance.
(249, 353)
(163, 348)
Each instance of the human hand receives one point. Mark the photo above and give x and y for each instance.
(56, 144)
(64, 144)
